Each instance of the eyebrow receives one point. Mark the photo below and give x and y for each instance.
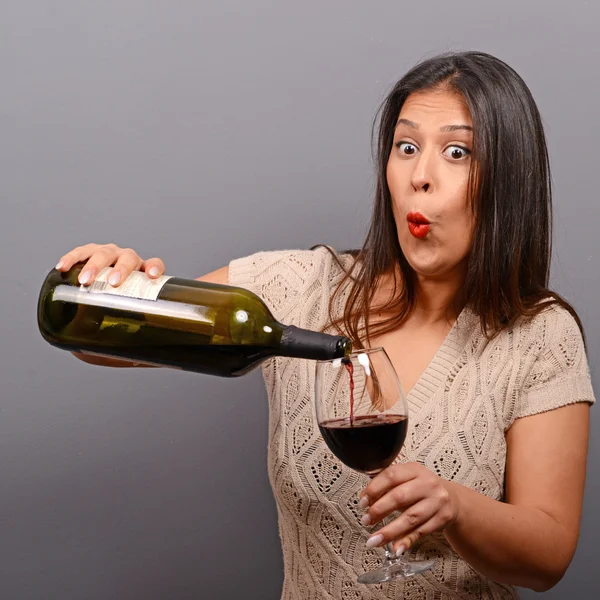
(445, 129)
(450, 128)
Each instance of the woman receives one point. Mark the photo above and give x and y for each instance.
(453, 281)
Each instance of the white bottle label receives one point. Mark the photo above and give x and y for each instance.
(137, 285)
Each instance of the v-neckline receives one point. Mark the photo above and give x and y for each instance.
(436, 372)
(440, 365)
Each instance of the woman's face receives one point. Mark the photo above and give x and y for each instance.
(428, 175)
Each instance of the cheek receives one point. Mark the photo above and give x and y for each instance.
(396, 182)
(459, 223)
(397, 175)
(458, 210)
(459, 233)
(392, 186)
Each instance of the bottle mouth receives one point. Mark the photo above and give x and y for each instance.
(353, 354)
(344, 347)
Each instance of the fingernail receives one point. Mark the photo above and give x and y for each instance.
(400, 550)
(364, 502)
(60, 265)
(366, 520)
(374, 541)
(114, 278)
(85, 277)
(153, 271)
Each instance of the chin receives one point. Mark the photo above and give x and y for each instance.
(429, 264)
(420, 255)
(426, 263)
(427, 270)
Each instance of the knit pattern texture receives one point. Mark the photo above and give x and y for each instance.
(459, 411)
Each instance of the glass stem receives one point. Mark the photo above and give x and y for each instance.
(389, 547)
(390, 555)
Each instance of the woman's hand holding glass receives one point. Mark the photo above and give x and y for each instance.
(427, 502)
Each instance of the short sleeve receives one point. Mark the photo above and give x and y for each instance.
(560, 373)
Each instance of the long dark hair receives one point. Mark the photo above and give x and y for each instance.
(510, 195)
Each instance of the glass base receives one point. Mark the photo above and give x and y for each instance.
(398, 567)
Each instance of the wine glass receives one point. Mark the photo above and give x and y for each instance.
(362, 414)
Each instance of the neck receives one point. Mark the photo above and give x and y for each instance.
(438, 299)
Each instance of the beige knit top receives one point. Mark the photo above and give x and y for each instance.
(460, 409)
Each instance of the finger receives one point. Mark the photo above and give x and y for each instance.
(103, 256)
(128, 260)
(436, 523)
(79, 254)
(154, 267)
(398, 498)
(386, 480)
(410, 522)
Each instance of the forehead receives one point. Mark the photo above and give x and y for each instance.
(438, 106)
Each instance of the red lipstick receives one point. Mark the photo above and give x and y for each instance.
(418, 225)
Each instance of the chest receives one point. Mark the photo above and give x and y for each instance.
(458, 387)
(411, 349)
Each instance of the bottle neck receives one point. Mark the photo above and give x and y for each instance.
(312, 345)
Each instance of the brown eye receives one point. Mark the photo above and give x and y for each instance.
(457, 152)
(406, 148)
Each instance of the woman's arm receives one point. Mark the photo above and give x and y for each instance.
(530, 540)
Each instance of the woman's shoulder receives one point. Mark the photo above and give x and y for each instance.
(554, 324)
(554, 362)
(296, 265)
(286, 279)
(536, 364)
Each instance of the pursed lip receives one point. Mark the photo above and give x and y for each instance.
(417, 218)
(418, 225)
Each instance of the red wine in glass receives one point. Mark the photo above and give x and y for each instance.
(366, 443)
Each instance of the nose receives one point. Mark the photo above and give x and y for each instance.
(423, 173)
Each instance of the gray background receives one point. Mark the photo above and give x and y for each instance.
(199, 132)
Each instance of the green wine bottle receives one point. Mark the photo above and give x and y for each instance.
(172, 322)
